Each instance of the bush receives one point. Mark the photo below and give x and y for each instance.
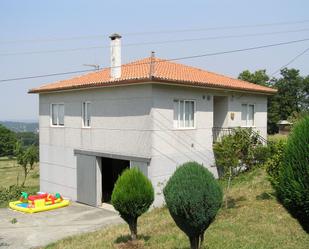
(193, 198)
(262, 153)
(13, 193)
(238, 151)
(274, 162)
(132, 196)
(293, 181)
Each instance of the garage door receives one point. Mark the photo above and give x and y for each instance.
(86, 179)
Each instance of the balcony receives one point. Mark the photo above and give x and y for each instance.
(219, 132)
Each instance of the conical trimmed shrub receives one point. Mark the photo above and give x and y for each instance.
(132, 196)
(193, 198)
(293, 181)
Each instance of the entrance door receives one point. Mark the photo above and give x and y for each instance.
(111, 170)
(86, 179)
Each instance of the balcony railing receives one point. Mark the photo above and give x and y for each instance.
(219, 132)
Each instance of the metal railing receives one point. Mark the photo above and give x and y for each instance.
(219, 132)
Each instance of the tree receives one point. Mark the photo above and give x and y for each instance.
(292, 96)
(28, 138)
(26, 158)
(235, 152)
(132, 196)
(258, 77)
(193, 198)
(7, 141)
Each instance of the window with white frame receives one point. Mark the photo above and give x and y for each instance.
(57, 114)
(184, 114)
(86, 114)
(247, 115)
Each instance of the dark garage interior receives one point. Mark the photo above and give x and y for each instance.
(111, 169)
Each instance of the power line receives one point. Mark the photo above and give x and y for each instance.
(218, 28)
(55, 39)
(156, 42)
(47, 75)
(174, 59)
(291, 61)
(241, 50)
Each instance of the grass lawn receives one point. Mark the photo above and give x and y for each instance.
(10, 171)
(253, 219)
(276, 137)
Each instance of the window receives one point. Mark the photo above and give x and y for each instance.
(184, 116)
(57, 114)
(86, 114)
(247, 115)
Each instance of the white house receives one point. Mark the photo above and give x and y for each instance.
(152, 113)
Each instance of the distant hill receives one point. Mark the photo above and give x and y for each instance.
(20, 126)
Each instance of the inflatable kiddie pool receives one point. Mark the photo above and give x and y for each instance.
(38, 203)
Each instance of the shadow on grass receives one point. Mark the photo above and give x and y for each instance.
(127, 238)
(265, 196)
(232, 202)
(204, 246)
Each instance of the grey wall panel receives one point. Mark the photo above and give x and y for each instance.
(142, 166)
(87, 179)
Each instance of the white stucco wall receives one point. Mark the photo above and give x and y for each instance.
(120, 124)
(260, 107)
(134, 121)
(172, 147)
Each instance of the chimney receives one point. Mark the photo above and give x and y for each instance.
(115, 71)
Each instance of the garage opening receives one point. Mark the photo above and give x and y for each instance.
(111, 170)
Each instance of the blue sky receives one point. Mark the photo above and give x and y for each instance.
(21, 21)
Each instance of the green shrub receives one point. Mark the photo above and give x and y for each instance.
(293, 181)
(274, 161)
(13, 193)
(226, 155)
(193, 198)
(262, 153)
(238, 151)
(132, 196)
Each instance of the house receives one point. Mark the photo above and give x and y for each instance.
(153, 114)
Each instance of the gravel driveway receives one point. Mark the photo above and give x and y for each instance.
(39, 229)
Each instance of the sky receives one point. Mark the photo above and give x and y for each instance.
(43, 26)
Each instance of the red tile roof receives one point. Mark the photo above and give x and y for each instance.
(163, 71)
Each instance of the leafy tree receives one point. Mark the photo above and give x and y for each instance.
(258, 77)
(292, 96)
(132, 196)
(7, 141)
(193, 198)
(26, 158)
(235, 152)
(28, 138)
(291, 92)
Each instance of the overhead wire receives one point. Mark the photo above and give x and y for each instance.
(290, 62)
(173, 59)
(155, 42)
(55, 39)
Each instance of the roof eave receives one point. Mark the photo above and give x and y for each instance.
(153, 79)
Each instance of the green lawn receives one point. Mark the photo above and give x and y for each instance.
(11, 174)
(10, 171)
(253, 219)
